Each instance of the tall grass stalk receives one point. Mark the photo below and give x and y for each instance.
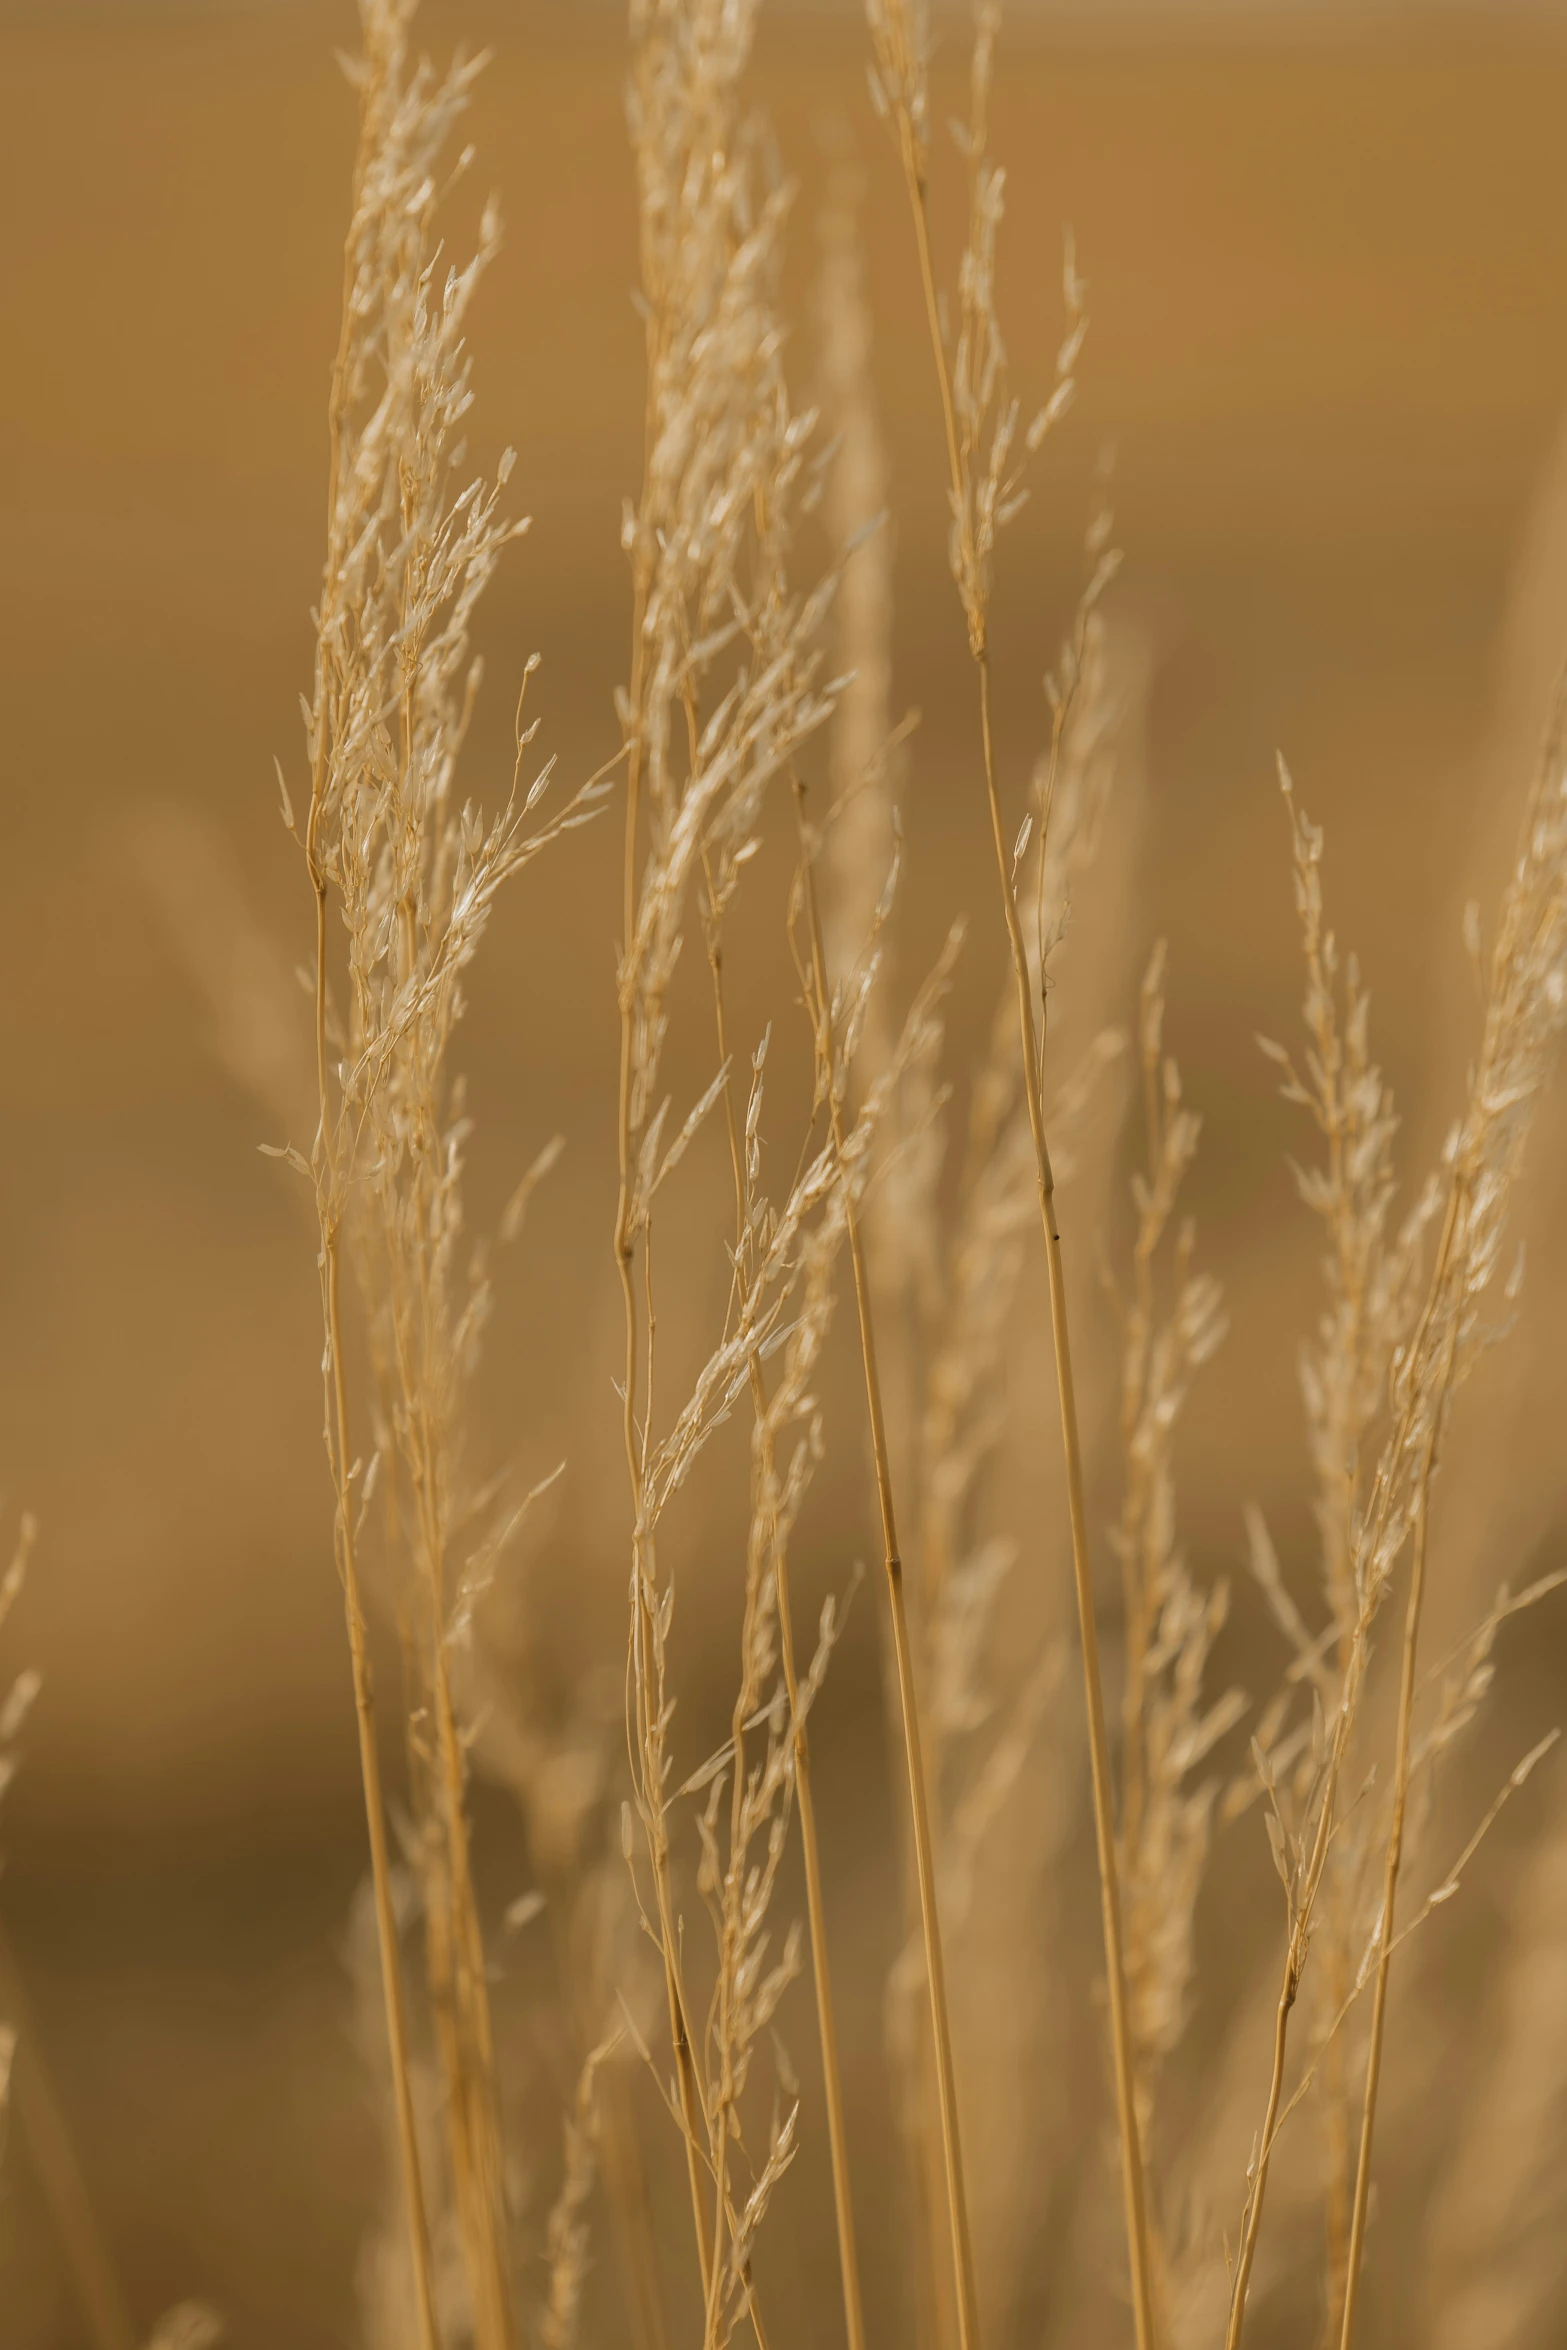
(919, 1796)
(722, 687)
(412, 875)
(383, 31)
(810, 1848)
(1526, 1010)
(979, 424)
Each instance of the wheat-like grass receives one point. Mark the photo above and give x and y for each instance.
(770, 1413)
(1372, 1283)
(727, 691)
(411, 874)
(956, 1288)
(831, 1083)
(1525, 1010)
(707, 543)
(984, 460)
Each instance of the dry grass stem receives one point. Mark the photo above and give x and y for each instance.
(766, 1481)
(984, 461)
(412, 875)
(1525, 1009)
(957, 1288)
(830, 1082)
(723, 688)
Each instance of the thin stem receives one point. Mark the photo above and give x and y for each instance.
(1395, 1849)
(457, 1974)
(328, 1210)
(837, 2130)
(691, 2103)
(832, 2074)
(1301, 1910)
(1132, 2180)
(930, 1922)
(1303, 1904)
(914, 179)
(1132, 2177)
(375, 1812)
(485, 2213)
(1253, 2220)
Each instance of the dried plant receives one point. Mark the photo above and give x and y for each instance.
(1526, 1004)
(760, 668)
(956, 1287)
(411, 875)
(1372, 1275)
(985, 463)
(723, 687)
(834, 1011)
(1526, 1009)
(1169, 1726)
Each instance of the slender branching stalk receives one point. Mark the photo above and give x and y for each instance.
(980, 426)
(1526, 1008)
(919, 1798)
(380, 95)
(708, 542)
(816, 1916)
(412, 876)
(369, 1756)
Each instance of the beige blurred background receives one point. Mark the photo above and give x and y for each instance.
(1326, 260)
